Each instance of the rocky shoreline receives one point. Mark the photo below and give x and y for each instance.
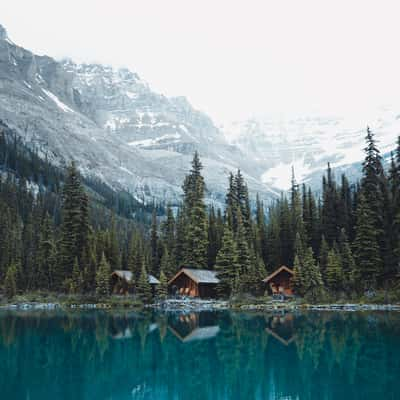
(51, 306)
(198, 305)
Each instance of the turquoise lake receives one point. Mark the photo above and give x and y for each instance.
(110, 355)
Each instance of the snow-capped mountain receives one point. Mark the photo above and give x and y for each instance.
(309, 143)
(114, 126)
(119, 130)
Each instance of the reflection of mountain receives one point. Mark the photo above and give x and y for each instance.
(281, 328)
(193, 327)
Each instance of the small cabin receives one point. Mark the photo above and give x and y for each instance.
(122, 282)
(194, 283)
(280, 281)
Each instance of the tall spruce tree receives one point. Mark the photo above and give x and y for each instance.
(143, 287)
(350, 276)
(373, 188)
(334, 272)
(195, 216)
(103, 277)
(314, 282)
(261, 245)
(71, 220)
(366, 248)
(243, 204)
(162, 287)
(299, 277)
(47, 277)
(329, 217)
(323, 256)
(227, 263)
(154, 245)
(244, 255)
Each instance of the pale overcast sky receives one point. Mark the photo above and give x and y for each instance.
(231, 58)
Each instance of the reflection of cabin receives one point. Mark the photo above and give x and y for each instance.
(279, 282)
(193, 327)
(281, 328)
(194, 283)
(122, 282)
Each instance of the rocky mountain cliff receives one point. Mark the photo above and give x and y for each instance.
(114, 126)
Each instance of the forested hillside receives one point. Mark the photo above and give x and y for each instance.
(59, 233)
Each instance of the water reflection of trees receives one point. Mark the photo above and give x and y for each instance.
(227, 356)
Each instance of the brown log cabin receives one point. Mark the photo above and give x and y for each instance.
(194, 283)
(122, 282)
(279, 282)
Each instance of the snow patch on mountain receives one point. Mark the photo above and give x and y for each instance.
(62, 106)
(155, 141)
(308, 143)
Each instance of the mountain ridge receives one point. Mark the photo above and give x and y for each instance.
(114, 126)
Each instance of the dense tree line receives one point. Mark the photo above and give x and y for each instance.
(341, 241)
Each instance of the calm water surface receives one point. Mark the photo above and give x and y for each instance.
(99, 355)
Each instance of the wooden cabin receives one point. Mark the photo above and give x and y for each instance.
(280, 281)
(122, 282)
(194, 283)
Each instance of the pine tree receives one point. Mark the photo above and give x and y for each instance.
(227, 263)
(168, 229)
(323, 256)
(329, 215)
(103, 277)
(334, 272)
(195, 216)
(299, 278)
(72, 220)
(315, 285)
(273, 239)
(162, 287)
(155, 266)
(261, 232)
(244, 255)
(366, 249)
(167, 264)
(243, 204)
(76, 284)
(10, 282)
(350, 276)
(113, 252)
(345, 209)
(286, 236)
(47, 278)
(307, 279)
(83, 236)
(375, 191)
(296, 211)
(143, 287)
(231, 202)
(213, 240)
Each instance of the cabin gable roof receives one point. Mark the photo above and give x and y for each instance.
(128, 276)
(197, 275)
(277, 272)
